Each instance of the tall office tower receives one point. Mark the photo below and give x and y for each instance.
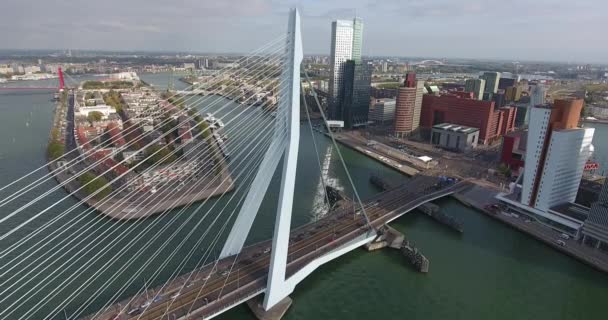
(408, 106)
(355, 93)
(556, 153)
(513, 93)
(538, 92)
(357, 39)
(492, 79)
(595, 229)
(477, 86)
(346, 42)
(506, 82)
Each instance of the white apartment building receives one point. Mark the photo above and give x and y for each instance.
(383, 111)
(567, 154)
(556, 153)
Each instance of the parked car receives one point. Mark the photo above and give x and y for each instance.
(134, 311)
(561, 243)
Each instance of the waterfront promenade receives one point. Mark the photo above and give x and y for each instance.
(482, 195)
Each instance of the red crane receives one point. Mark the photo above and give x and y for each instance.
(61, 84)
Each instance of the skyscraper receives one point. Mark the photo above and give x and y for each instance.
(477, 86)
(409, 104)
(537, 94)
(357, 39)
(513, 93)
(556, 153)
(346, 43)
(355, 92)
(491, 87)
(595, 230)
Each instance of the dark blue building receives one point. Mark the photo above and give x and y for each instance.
(354, 95)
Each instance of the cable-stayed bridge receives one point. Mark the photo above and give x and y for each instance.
(60, 261)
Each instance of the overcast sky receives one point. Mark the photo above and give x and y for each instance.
(511, 29)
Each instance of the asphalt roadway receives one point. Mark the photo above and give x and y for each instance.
(215, 287)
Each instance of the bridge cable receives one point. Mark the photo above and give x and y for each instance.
(6, 234)
(177, 248)
(50, 175)
(133, 128)
(333, 139)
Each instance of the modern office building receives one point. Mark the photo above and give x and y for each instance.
(499, 99)
(513, 94)
(477, 86)
(357, 39)
(537, 94)
(346, 44)
(595, 229)
(383, 111)
(454, 137)
(555, 157)
(556, 153)
(506, 82)
(355, 93)
(491, 87)
(462, 109)
(409, 105)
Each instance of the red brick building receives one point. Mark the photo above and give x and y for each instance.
(514, 149)
(461, 108)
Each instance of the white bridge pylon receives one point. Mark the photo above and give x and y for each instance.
(285, 145)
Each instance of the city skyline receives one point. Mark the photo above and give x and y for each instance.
(538, 28)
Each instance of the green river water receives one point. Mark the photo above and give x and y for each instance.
(489, 272)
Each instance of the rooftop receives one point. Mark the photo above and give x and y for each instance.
(455, 128)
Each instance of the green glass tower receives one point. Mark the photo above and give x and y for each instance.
(357, 39)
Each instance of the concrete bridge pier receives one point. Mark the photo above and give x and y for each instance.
(387, 237)
(275, 313)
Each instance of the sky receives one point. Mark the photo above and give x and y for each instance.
(517, 30)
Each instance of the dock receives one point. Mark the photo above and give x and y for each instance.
(480, 196)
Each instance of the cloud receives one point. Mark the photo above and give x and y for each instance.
(440, 28)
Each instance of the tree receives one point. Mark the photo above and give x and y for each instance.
(157, 154)
(93, 183)
(94, 116)
(55, 150)
(113, 99)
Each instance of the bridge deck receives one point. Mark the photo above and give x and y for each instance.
(208, 292)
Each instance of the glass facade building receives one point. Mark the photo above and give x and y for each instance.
(354, 97)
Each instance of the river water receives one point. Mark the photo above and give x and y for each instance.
(489, 272)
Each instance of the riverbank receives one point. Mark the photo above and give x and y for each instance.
(373, 154)
(482, 195)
